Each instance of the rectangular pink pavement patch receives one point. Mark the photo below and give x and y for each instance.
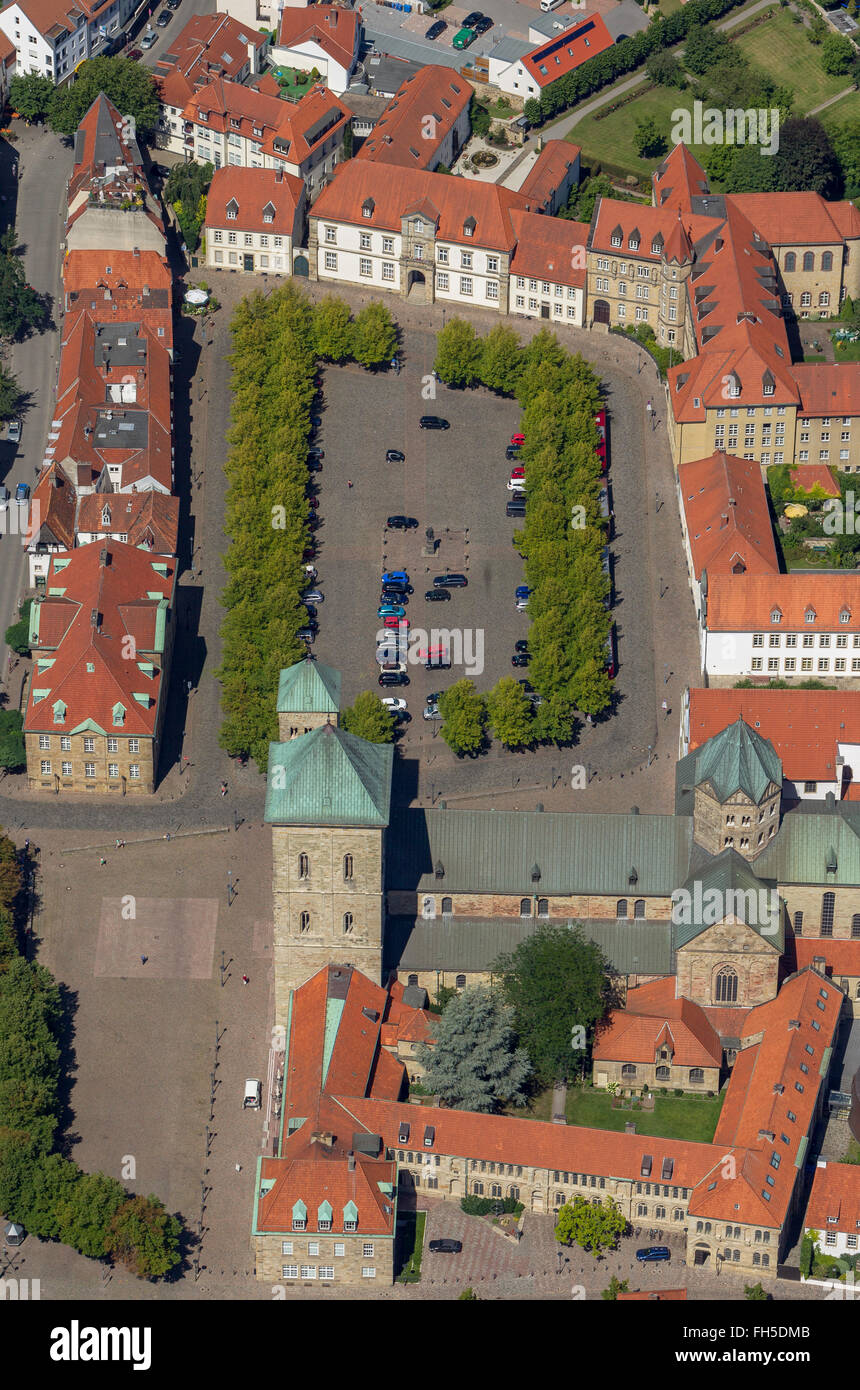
(176, 936)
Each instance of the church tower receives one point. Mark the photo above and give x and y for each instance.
(737, 788)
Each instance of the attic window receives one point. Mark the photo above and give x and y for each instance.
(633, 241)
(119, 714)
(232, 210)
(59, 713)
(845, 615)
(469, 226)
(809, 615)
(367, 207)
(776, 616)
(616, 236)
(269, 212)
(647, 1162)
(657, 245)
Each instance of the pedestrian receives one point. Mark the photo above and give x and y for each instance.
(223, 788)
(144, 959)
(245, 980)
(238, 1167)
(102, 862)
(189, 686)
(349, 482)
(116, 846)
(665, 707)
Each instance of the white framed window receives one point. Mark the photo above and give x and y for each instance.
(217, 237)
(331, 260)
(465, 284)
(388, 270)
(368, 1271)
(231, 238)
(44, 740)
(466, 260)
(286, 1247)
(365, 265)
(339, 1249)
(313, 1247)
(326, 1271)
(134, 771)
(249, 239)
(65, 743)
(441, 280)
(45, 766)
(89, 770)
(66, 769)
(364, 241)
(493, 265)
(309, 1272)
(388, 245)
(89, 745)
(289, 1271)
(493, 289)
(113, 770)
(331, 236)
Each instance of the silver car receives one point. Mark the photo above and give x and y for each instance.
(13, 434)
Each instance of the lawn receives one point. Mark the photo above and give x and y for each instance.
(845, 351)
(413, 1238)
(292, 90)
(782, 50)
(673, 1117)
(610, 141)
(847, 109)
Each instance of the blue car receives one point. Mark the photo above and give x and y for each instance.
(395, 577)
(653, 1252)
(523, 591)
(390, 610)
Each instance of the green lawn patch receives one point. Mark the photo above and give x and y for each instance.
(846, 109)
(412, 1235)
(673, 1117)
(291, 89)
(782, 50)
(844, 351)
(610, 141)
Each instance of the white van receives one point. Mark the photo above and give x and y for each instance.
(547, 5)
(253, 1095)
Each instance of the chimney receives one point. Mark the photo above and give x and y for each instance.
(630, 1127)
(350, 1162)
(724, 519)
(819, 964)
(279, 176)
(718, 244)
(104, 558)
(95, 619)
(135, 250)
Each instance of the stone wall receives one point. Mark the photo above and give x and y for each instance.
(731, 943)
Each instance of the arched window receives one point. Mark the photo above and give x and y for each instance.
(413, 980)
(827, 260)
(543, 907)
(828, 905)
(663, 1073)
(726, 986)
(621, 908)
(347, 867)
(514, 1192)
(460, 982)
(855, 925)
(790, 260)
(495, 1189)
(798, 924)
(558, 1199)
(525, 907)
(697, 1076)
(447, 905)
(304, 921)
(304, 866)
(765, 1260)
(347, 923)
(478, 1189)
(628, 1070)
(808, 260)
(639, 908)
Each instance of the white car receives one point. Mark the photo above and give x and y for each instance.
(516, 485)
(392, 704)
(14, 432)
(148, 40)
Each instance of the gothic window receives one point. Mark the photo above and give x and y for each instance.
(727, 986)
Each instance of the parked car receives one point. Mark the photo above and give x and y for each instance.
(134, 54)
(527, 686)
(13, 433)
(148, 40)
(395, 577)
(431, 711)
(518, 439)
(174, 4)
(516, 485)
(472, 18)
(313, 596)
(399, 591)
(436, 29)
(520, 659)
(523, 591)
(392, 678)
(519, 471)
(483, 24)
(446, 1246)
(522, 646)
(522, 604)
(316, 453)
(433, 422)
(164, 19)
(394, 623)
(512, 452)
(450, 581)
(395, 455)
(516, 505)
(307, 634)
(253, 1094)
(22, 493)
(464, 37)
(390, 610)
(402, 523)
(4, 498)
(391, 702)
(653, 1252)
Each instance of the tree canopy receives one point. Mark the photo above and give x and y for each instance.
(592, 1227)
(31, 95)
(128, 84)
(368, 718)
(475, 1063)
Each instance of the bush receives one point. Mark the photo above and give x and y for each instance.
(473, 1205)
(678, 1091)
(18, 635)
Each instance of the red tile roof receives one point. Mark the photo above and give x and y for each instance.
(285, 130)
(394, 190)
(102, 595)
(744, 603)
(256, 192)
(727, 516)
(319, 1176)
(8, 51)
(651, 227)
(653, 1018)
(418, 119)
(150, 520)
(799, 219)
(119, 271)
(546, 248)
(549, 171)
(727, 1023)
(557, 56)
(834, 1202)
(46, 14)
(335, 30)
(842, 958)
(53, 502)
(678, 180)
(828, 388)
(804, 726)
(810, 475)
(211, 45)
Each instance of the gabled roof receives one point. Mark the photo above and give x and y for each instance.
(329, 777)
(799, 219)
(568, 51)
(810, 841)
(804, 727)
(828, 388)
(727, 516)
(149, 520)
(418, 119)
(746, 602)
(316, 1177)
(267, 200)
(728, 887)
(834, 1202)
(544, 248)
(841, 958)
(309, 687)
(333, 29)
(653, 228)
(53, 501)
(738, 759)
(653, 1017)
(678, 180)
(549, 171)
(211, 45)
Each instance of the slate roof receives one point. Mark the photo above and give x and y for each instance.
(738, 759)
(723, 887)
(329, 777)
(309, 687)
(806, 840)
(495, 851)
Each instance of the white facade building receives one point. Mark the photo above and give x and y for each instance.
(57, 39)
(786, 626)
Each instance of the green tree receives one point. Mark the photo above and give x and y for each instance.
(755, 1293)
(374, 340)
(558, 985)
(616, 1287)
(468, 1296)
(510, 713)
(500, 360)
(838, 54)
(475, 1063)
(463, 714)
(128, 84)
(555, 719)
(31, 95)
(144, 1237)
(704, 47)
(806, 160)
(368, 718)
(459, 353)
(533, 112)
(85, 1211)
(443, 997)
(333, 329)
(845, 140)
(807, 1253)
(747, 171)
(593, 1228)
(479, 117)
(18, 635)
(346, 151)
(648, 138)
(22, 310)
(10, 395)
(13, 755)
(665, 69)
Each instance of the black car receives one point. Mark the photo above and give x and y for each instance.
(395, 456)
(436, 29)
(483, 24)
(515, 508)
(653, 1252)
(512, 452)
(316, 421)
(314, 465)
(307, 633)
(396, 586)
(164, 19)
(450, 581)
(471, 20)
(174, 4)
(393, 678)
(436, 595)
(402, 523)
(446, 1246)
(521, 646)
(433, 422)
(527, 686)
(520, 659)
(316, 452)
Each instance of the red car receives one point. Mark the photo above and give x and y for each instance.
(134, 53)
(395, 622)
(518, 440)
(518, 472)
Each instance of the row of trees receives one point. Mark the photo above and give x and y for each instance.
(46, 1192)
(185, 190)
(128, 84)
(533, 1026)
(276, 342)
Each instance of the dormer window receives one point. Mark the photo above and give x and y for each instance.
(809, 615)
(232, 210)
(657, 245)
(733, 384)
(367, 207)
(845, 615)
(616, 236)
(203, 116)
(300, 1216)
(119, 714)
(235, 122)
(776, 616)
(767, 384)
(469, 226)
(633, 240)
(59, 712)
(105, 515)
(269, 212)
(350, 1217)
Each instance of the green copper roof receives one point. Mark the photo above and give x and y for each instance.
(807, 841)
(329, 777)
(309, 688)
(728, 886)
(738, 759)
